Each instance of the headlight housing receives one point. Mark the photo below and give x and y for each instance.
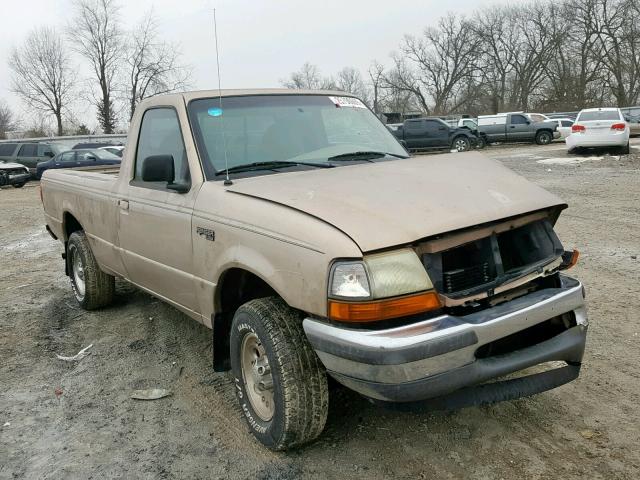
(380, 286)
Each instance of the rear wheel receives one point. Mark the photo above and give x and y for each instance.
(461, 144)
(481, 142)
(625, 150)
(544, 138)
(91, 286)
(280, 383)
(18, 185)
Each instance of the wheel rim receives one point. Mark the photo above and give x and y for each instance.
(77, 269)
(544, 139)
(461, 145)
(256, 374)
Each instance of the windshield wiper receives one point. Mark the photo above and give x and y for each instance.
(248, 167)
(363, 155)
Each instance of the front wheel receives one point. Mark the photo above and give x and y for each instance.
(18, 185)
(461, 144)
(481, 143)
(91, 286)
(279, 381)
(544, 138)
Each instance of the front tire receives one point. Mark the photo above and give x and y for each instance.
(280, 383)
(461, 144)
(18, 185)
(544, 138)
(91, 286)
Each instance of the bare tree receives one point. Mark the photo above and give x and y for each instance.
(42, 75)
(444, 58)
(350, 80)
(8, 120)
(308, 77)
(153, 67)
(96, 35)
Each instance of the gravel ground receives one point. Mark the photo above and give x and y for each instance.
(76, 420)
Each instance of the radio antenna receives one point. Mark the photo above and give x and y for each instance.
(227, 180)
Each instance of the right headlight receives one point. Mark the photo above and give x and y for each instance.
(381, 286)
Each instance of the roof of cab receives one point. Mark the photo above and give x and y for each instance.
(602, 109)
(188, 96)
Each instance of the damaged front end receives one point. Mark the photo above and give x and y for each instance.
(505, 306)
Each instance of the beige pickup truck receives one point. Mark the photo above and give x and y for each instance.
(296, 227)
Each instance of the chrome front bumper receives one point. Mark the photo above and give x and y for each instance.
(436, 356)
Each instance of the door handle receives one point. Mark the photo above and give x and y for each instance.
(513, 126)
(123, 204)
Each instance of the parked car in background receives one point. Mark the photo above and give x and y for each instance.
(516, 127)
(599, 127)
(29, 154)
(564, 126)
(78, 158)
(472, 125)
(13, 174)
(632, 117)
(115, 149)
(434, 133)
(538, 117)
(86, 145)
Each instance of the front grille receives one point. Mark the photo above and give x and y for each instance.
(482, 265)
(465, 278)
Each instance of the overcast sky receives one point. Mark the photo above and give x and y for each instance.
(261, 42)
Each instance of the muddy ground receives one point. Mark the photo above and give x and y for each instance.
(66, 420)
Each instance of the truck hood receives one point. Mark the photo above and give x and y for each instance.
(397, 202)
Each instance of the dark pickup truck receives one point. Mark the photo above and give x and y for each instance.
(516, 127)
(433, 133)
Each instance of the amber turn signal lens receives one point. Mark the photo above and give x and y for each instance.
(569, 259)
(374, 311)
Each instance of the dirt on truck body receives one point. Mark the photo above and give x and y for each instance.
(295, 226)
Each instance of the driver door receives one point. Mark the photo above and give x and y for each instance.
(155, 222)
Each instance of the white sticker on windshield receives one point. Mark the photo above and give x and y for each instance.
(347, 102)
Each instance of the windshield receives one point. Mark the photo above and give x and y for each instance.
(295, 128)
(599, 115)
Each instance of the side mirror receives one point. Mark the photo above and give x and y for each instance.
(158, 168)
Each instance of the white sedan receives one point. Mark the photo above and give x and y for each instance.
(599, 127)
(564, 126)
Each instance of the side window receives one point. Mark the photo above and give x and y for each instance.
(7, 149)
(518, 120)
(566, 123)
(28, 150)
(160, 134)
(44, 150)
(415, 125)
(432, 125)
(67, 157)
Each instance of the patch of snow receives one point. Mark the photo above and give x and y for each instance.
(568, 160)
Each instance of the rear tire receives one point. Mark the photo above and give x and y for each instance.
(280, 383)
(18, 185)
(625, 150)
(481, 143)
(544, 138)
(91, 286)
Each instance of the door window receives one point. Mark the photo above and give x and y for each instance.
(433, 125)
(415, 125)
(160, 134)
(518, 120)
(44, 151)
(28, 150)
(68, 157)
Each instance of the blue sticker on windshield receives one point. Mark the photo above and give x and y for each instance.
(214, 112)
